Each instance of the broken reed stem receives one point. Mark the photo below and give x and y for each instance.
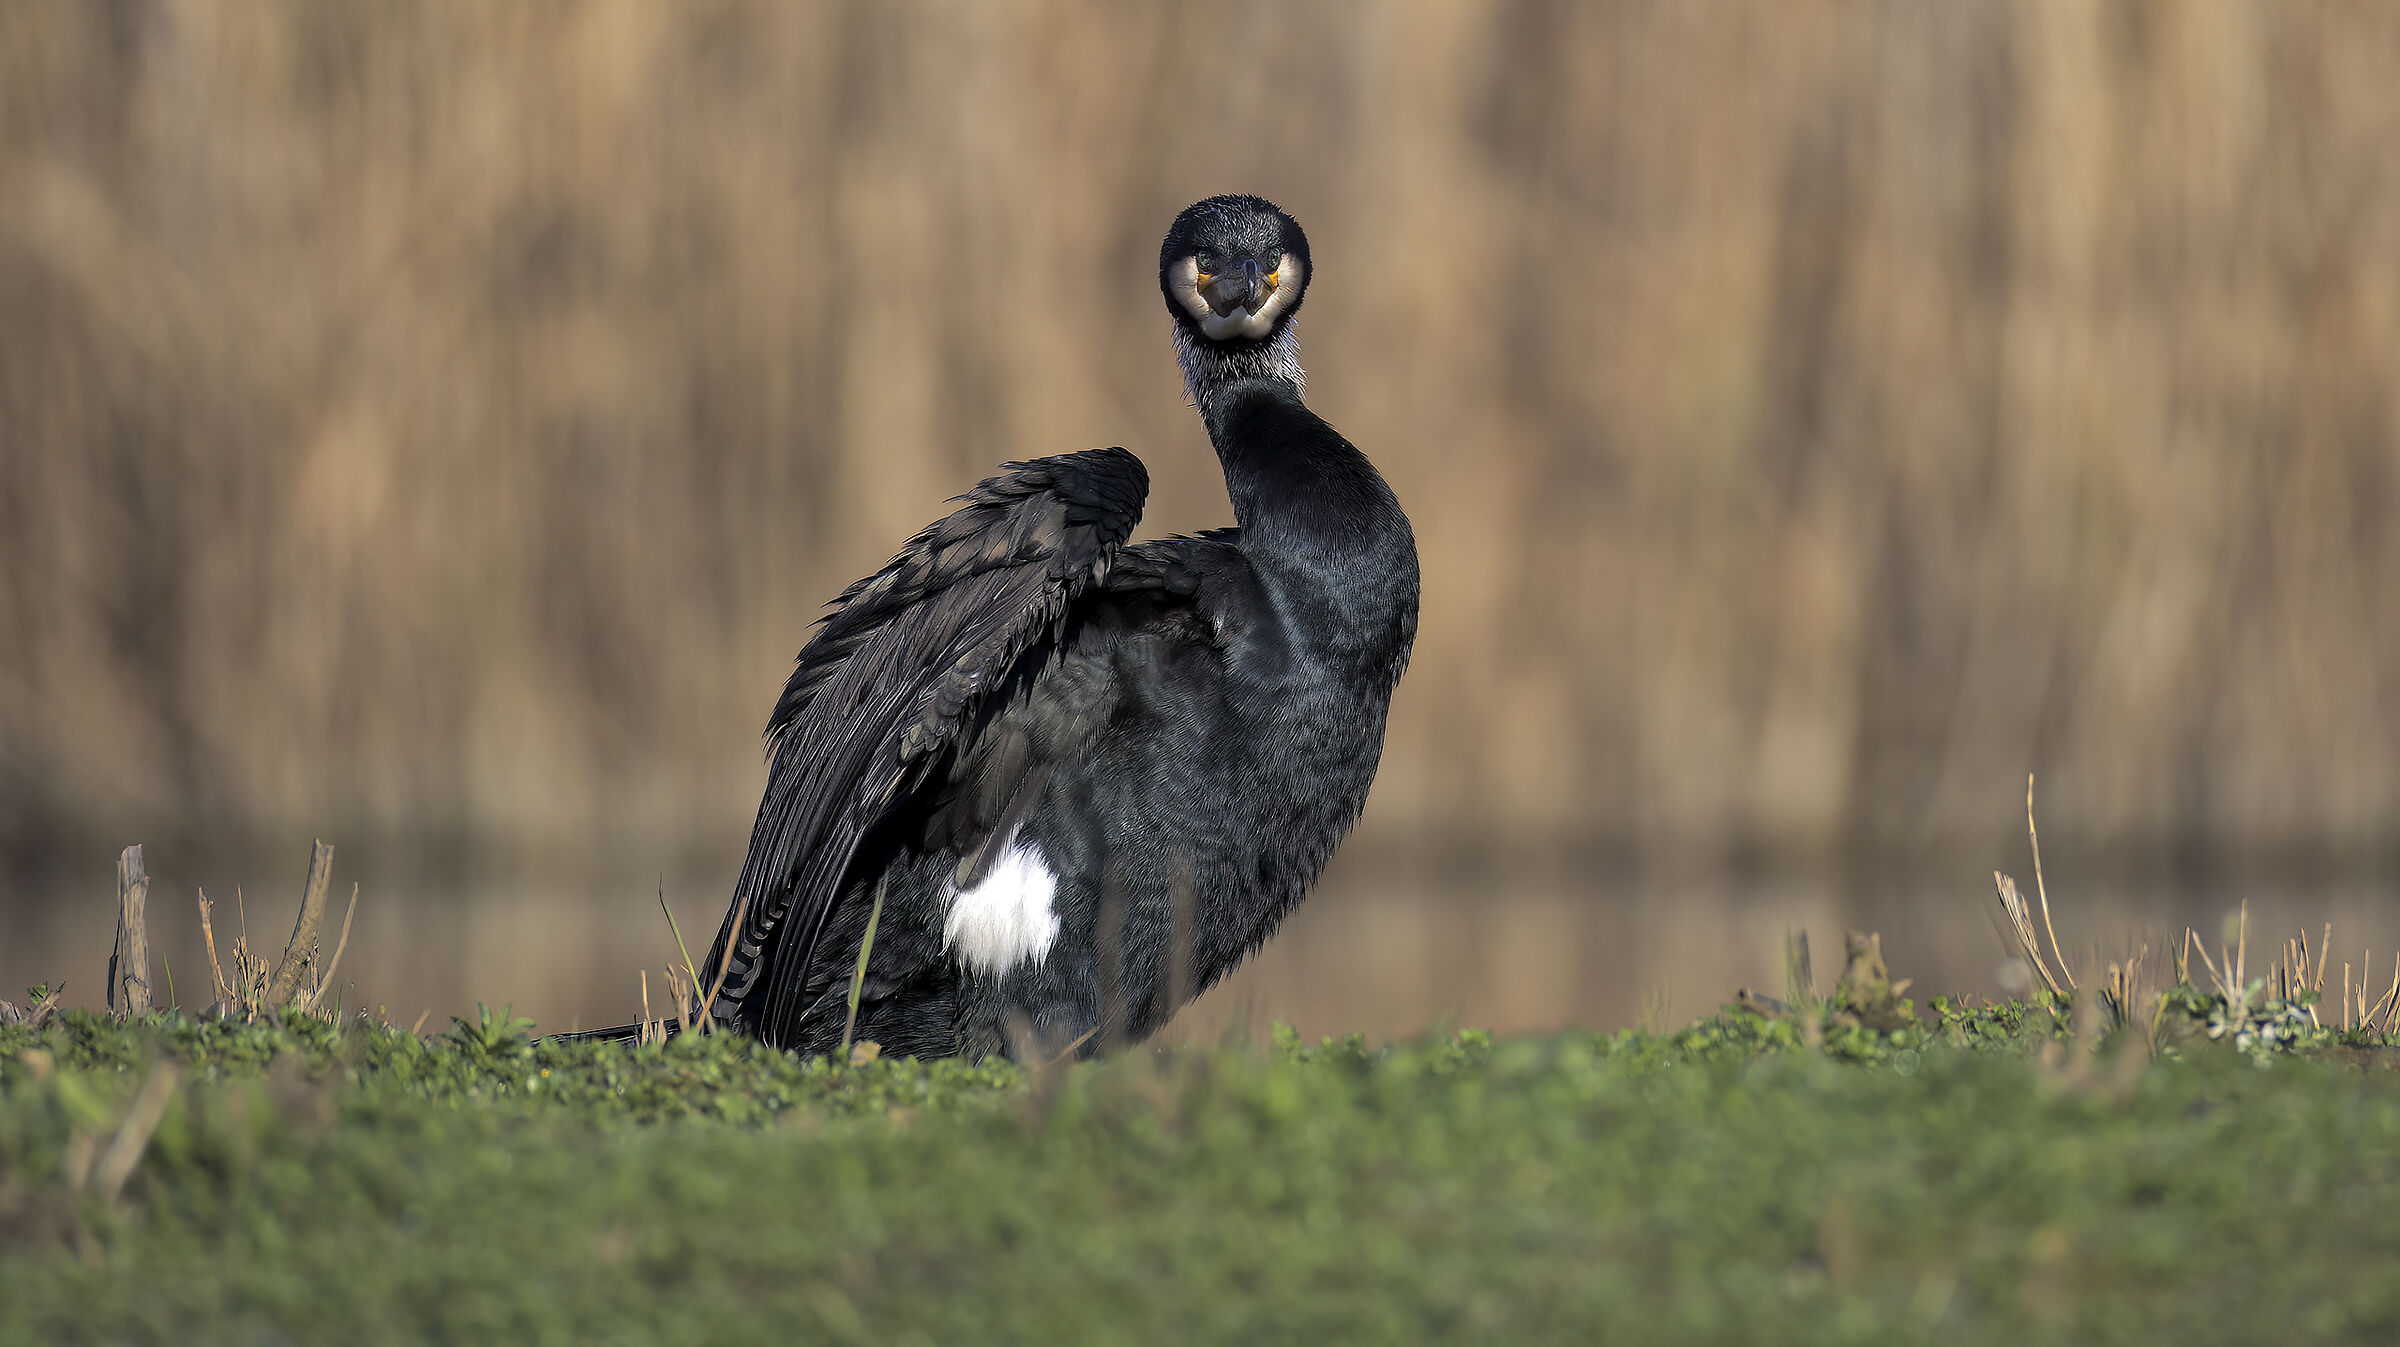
(2041, 889)
(336, 962)
(2315, 986)
(301, 951)
(2241, 949)
(2382, 1013)
(129, 962)
(645, 1034)
(858, 976)
(2124, 988)
(733, 935)
(2020, 920)
(2219, 978)
(680, 991)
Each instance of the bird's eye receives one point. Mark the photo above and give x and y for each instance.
(1205, 260)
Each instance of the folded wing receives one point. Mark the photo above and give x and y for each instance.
(890, 686)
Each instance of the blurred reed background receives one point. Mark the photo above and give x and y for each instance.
(432, 427)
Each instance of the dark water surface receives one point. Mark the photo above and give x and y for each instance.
(1382, 948)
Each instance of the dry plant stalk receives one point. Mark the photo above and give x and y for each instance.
(2020, 921)
(2362, 1009)
(2301, 972)
(2123, 990)
(2379, 1017)
(334, 964)
(2042, 890)
(301, 951)
(2239, 959)
(129, 962)
(2225, 971)
(242, 996)
(679, 991)
(216, 970)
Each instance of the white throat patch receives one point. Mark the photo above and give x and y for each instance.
(1007, 918)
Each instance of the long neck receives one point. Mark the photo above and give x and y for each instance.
(1320, 525)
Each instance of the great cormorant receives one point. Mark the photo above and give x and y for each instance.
(1086, 776)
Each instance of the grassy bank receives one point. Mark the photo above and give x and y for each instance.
(1968, 1179)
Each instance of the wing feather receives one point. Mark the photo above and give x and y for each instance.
(892, 681)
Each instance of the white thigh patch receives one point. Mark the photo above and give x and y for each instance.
(1007, 918)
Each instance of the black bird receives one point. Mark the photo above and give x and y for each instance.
(1085, 777)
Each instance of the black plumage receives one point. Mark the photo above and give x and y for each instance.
(1087, 777)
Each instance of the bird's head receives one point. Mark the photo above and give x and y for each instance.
(1233, 269)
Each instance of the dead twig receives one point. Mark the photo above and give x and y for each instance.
(2041, 890)
(2218, 977)
(129, 962)
(680, 993)
(2020, 920)
(334, 964)
(2241, 949)
(2380, 1017)
(2123, 990)
(301, 951)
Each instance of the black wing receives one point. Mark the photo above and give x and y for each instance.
(892, 679)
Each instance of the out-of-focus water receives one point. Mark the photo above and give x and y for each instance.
(1381, 948)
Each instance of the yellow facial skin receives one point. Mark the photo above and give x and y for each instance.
(1185, 281)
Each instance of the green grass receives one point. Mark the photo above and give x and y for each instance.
(1968, 1181)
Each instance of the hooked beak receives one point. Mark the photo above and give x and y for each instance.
(1245, 288)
